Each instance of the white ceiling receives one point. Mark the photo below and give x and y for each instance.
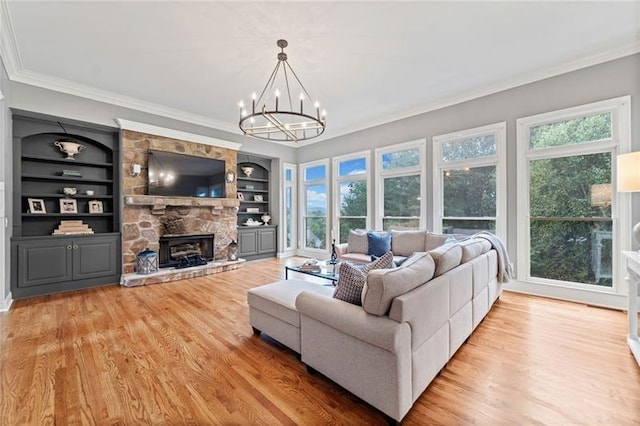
(367, 62)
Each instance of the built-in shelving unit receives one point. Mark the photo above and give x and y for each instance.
(46, 263)
(255, 242)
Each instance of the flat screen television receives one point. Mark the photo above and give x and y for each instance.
(185, 175)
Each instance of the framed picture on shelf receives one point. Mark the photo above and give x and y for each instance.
(68, 205)
(240, 196)
(257, 198)
(95, 206)
(36, 206)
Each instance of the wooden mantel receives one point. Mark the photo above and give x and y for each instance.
(159, 203)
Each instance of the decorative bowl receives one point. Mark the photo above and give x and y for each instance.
(69, 191)
(69, 147)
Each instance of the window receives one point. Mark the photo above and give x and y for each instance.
(351, 194)
(401, 186)
(314, 205)
(289, 220)
(569, 213)
(469, 181)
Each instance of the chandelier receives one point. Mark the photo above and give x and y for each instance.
(282, 121)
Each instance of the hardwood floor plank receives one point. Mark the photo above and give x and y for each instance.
(184, 353)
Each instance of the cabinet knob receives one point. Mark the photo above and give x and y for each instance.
(69, 247)
(75, 247)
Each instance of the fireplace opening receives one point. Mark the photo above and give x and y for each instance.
(183, 251)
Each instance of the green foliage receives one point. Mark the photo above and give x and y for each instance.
(578, 130)
(560, 188)
(402, 196)
(470, 192)
(475, 147)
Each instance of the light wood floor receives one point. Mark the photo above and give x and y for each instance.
(183, 353)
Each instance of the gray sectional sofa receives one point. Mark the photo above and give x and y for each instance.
(412, 320)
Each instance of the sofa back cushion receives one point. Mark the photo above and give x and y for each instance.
(405, 243)
(446, 257)
(434, 240)
(383, 285)
(473, 248)
(358, 242)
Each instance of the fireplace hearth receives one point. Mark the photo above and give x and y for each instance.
(184, 251)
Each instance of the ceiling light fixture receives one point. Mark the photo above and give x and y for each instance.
(286, 124)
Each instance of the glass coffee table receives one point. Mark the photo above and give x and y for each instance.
(328, 271)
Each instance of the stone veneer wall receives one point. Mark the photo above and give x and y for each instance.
(143, 229)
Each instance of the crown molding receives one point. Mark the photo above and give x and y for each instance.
(8, 44)
(65, 86)
(176, 134)
(553, 71)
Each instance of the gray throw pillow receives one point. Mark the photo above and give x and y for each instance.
(353, 278)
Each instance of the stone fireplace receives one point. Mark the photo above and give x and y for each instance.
(143, 214)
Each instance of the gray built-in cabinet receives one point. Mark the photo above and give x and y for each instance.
(255, 242)
(43, 263)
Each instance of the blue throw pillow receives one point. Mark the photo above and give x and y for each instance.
(379, 243)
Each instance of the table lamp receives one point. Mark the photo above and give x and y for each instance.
(629, 180)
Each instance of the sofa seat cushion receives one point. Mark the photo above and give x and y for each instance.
(405, 243)
(446, 257)
(353, 277)
(385, 284)
(356, 257)
(279, 299)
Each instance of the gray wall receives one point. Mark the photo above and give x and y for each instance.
(5, 175)
(604, 81)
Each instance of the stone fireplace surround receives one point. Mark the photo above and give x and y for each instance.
(142, 226)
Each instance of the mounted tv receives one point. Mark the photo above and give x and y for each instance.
(181, 175)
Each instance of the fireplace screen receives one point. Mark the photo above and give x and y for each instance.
(184, 251)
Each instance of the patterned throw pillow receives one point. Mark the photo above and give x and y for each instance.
(353, 278)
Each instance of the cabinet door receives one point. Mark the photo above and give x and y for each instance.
(44, 262)
(267, 240)
(95, 257)
(247, 242)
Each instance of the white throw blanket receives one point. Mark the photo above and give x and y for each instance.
(505, 270)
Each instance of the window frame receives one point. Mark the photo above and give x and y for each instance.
(337, 180)
(420, 169)
(619, 143)
(302, 206)
(499, 160)
(294, 207)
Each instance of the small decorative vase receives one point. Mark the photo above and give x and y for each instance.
(70, 148)
(265, 218)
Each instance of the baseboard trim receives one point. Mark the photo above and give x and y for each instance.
(601, 299)
(6, 303)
